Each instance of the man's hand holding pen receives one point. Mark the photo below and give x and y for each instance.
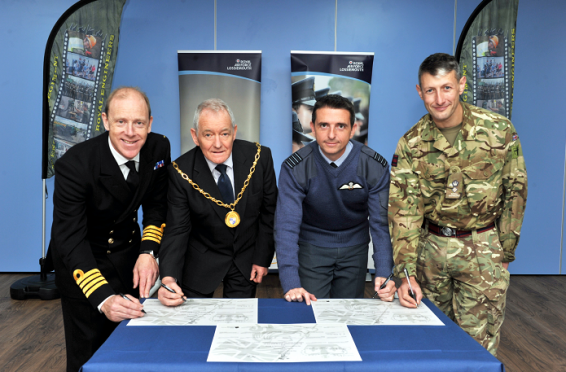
(385, 288)
(120, 307)
(170, 294)
(410, 294)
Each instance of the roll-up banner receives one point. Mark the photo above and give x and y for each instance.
(77, 75)
(233, 76)
(316, 74)
(486, 53)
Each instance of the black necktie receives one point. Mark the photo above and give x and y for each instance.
(133, 179)
(225, 185)
(333, 165)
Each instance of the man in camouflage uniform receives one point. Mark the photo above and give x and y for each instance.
(456, 204)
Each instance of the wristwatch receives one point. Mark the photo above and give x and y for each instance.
(150, 253)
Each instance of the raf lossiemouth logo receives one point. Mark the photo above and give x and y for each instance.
(353, 67)
(241, 64)
(351, 186)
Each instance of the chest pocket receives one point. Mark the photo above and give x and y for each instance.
(482, 181)
(433, 176)
(354, 197)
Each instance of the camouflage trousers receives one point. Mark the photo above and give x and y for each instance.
(465, 279)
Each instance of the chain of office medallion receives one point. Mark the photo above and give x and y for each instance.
(231, 206)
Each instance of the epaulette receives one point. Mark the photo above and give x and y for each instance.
(293, 160)
(380, 159)
(374, 155)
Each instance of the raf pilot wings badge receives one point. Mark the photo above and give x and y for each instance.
(350, 186)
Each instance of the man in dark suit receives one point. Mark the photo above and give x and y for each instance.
(219, 226)
(96, 246)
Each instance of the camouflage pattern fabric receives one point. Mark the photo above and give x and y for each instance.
(480, 180)
(464, 278)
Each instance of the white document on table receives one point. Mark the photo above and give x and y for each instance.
(272, 343)
(198, 312)
(372, 312)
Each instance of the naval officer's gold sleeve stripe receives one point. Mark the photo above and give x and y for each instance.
(152, 239)
(153, 227)
(153, 232)
(90, 280)
(88, 274)
(146, 235)
(93, 283)
(95, 288)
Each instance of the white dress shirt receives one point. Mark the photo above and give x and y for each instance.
(122, 160)
(125, 171)
(341, 159)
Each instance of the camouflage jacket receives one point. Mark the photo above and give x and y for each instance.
(480, 180)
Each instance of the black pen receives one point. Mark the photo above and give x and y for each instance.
(129, 299)
(172, 291)
(412, 294)
(384, 284)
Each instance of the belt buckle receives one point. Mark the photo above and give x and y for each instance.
(447, 231)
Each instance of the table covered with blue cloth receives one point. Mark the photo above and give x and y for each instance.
(382, 348)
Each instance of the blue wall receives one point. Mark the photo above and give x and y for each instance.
(401, 34)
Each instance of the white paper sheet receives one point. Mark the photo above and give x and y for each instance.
(372, 312)
(208, 311)
(283, 343)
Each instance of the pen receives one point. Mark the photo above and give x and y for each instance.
(127, 298)
(412, 294)
(384, 284)
(172, 291)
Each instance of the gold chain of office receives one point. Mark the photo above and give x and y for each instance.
(232, 218)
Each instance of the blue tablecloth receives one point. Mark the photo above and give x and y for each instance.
(382, 348)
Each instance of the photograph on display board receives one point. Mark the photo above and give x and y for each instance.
(490, 46)
(80, 66)
(86, 45)
(69, 130)
(77, 88)
(495, 105)
(74, 109)
(491, 89)
(61, 146)
(491, 67)
(306, 90)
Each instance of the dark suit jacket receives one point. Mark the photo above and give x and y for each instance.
(198, 248)
(95, 214)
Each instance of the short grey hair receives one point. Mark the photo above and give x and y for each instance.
(216, 105)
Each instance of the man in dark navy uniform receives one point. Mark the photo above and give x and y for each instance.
(96, 246)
